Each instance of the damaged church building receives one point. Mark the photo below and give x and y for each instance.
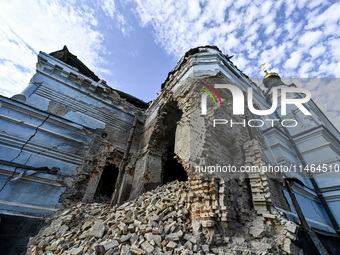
(69, 137)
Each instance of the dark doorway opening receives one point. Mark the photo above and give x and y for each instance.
(107, 183)
(172, 169)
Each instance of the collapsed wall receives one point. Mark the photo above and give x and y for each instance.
(224, 207)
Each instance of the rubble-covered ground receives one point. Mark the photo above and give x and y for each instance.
(157, 222)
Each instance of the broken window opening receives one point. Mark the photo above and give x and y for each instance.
(172, 169)
(106, 184)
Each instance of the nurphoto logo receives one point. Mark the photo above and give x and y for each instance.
(239, 103)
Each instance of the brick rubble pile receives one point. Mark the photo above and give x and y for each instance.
(155, 223)
(158, 222)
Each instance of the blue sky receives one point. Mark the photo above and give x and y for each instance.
(133, 44)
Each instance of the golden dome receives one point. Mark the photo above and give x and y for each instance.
(270, 75)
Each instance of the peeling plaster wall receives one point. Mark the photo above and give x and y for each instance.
(29, 139)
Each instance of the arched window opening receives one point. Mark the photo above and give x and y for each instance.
(107, 183)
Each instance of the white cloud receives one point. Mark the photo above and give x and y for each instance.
(317, 51)
(11, 79)
(195, 9)
(310, 38)
(30, 26)
(240, 61)
(337, 70)
(293, 61)
(305, 68)
(302, 3)
(266, 7)
(325, 18)
(108, 7)
(314, 3)
(335, 48)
